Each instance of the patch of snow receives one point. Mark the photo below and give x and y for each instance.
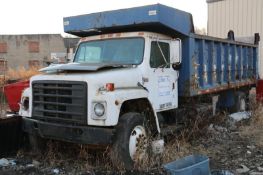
(4, 162)
(55, 171)
(238, 116)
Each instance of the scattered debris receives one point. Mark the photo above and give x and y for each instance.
(260, 169)
(189, 164)
(35, 163)
(255, 173)
(221, 172)
(248, 152)
(158, 146)
(226, 149)
(30, 165)
(240, 116)
(251, 147)
(12, 162)
(5, 162)
(55, 171)
(243, 169)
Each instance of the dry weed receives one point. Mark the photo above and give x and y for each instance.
(21, 73)
(84, 159)
(81, 157)
(177, 146)
(174, 150)
(254, 129)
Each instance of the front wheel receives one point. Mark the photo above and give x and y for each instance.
(130, 142)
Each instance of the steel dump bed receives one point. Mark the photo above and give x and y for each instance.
(209, 64)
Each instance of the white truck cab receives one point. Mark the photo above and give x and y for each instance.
(121, 77)
(110, 76)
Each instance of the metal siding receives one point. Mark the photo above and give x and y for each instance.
(210, 19)
(244, 17)
(222, 21)
(231, 9)
(250, 18)
(239, 17)
(254, 17)
(259, 14)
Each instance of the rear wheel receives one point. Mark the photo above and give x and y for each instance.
(130, 142)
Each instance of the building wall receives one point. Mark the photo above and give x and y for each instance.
(22, 50)
(244, 17)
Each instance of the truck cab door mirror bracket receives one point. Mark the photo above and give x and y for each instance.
(176, 66)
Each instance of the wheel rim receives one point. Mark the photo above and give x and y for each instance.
(242, 104)
(137, 142)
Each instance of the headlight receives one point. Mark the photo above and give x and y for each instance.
(99, 109)
(25, 103)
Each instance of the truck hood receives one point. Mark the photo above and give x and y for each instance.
(123, 77)
(78, 67)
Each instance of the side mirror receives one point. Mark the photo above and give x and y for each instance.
(176, 66)
(176, 52)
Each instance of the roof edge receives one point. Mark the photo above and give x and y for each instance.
(211, 1)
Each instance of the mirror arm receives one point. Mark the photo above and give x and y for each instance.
(177, 66)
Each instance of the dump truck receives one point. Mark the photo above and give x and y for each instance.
(136, 74)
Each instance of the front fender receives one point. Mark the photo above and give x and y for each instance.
(114, 100)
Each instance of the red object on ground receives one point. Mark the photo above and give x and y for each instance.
(260, 90)
(13, 94)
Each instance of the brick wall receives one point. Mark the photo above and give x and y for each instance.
(3, 47)
(3, 66)
(34, 63)
(33, 46)
(23, 50)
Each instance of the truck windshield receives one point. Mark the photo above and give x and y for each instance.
(122, 51)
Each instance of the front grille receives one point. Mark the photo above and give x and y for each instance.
(60, 101)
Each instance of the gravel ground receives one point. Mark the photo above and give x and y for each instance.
(224, 142)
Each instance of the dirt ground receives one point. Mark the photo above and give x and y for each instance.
(230, 145)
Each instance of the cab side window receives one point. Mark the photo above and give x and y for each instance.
(156, 57)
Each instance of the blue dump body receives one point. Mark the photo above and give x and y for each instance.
(209, 65)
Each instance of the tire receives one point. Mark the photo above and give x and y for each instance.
(37, 144)
(130, 135)
(241, 102)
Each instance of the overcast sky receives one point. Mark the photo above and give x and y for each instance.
(46, 16)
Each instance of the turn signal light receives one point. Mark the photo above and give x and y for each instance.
(110, 86)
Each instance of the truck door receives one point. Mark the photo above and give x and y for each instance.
(162, 85)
